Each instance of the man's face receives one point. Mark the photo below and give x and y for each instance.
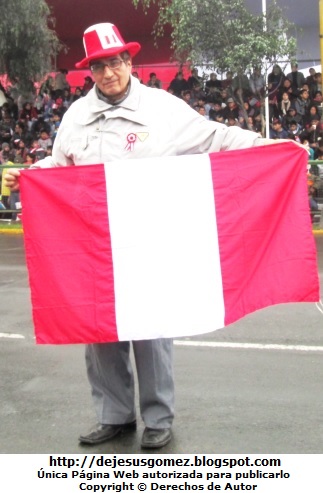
(112, 82)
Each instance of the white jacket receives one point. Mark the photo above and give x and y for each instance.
(148, 123)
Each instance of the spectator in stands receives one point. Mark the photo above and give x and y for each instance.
(294, 130)
(195, 79)
(297, 78)
(292, 116)
(213, 85)
(61, 82)
(302, 103)
(275, 81)
(313, 132)
(55, 123)
(44, 140)
(202, 111)
(153, 81)
(28, 114)
(317, 86)
(306, 144)
(6, 128)
(66, 98)
(19, 132)
(187, 97)
(287, 87)
(20, 151)
(224, 96)
(49, 151)
(231, 109)
(277, 131)
(48, 86)
(6, 153)
(37, 150)
(38, 125)
(30, 158)
(227, 82)
(246, 110)
(217, 110)
(310, 79)
(197, 93)
(87, 86)
(284, 104)
(311, 111)
(317, 99)
(178, 85)
(135, 74)
(253, 124)
(232, 121)
(77, 94)
(257, 83)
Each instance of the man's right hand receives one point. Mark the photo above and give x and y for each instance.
(11, 179)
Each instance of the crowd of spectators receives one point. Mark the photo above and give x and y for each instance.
(29, 123)
(295, 108)
(295, 102)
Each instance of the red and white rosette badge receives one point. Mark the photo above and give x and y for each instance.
(131, 139)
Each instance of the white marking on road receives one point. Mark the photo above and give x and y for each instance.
(242, 345)
(319, 306)
(5, 335)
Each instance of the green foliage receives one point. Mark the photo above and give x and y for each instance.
(28, 41)
(223, 34)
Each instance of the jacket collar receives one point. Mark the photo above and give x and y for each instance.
(128, 108)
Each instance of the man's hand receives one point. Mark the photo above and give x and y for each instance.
(264, 142)
(11, 179)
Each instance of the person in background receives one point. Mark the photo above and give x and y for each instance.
(297, 78)
(60, 83)
(153, 81)
(87, 86)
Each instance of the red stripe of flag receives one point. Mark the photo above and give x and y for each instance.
(267, 249)
(68, 252)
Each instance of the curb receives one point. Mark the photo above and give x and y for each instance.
(11, 231)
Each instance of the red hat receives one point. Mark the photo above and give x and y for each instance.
(104, 40)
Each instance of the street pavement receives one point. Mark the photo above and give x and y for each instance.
(231, 398)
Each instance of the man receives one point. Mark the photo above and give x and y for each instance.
(213, 85)
(178, 85)
(257, 83)
(153, 81)
(194, 79)
(114, 121)
(61, 82)
(277, 131)
(297, 78)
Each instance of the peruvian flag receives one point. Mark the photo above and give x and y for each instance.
(166, 247)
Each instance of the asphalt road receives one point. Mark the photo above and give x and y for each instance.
(229, 399)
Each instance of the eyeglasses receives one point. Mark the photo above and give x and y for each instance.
(99, 67)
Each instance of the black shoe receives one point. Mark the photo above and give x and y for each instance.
(103, 433)
(153, 438)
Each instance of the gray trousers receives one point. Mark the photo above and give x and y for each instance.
(112, 381)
